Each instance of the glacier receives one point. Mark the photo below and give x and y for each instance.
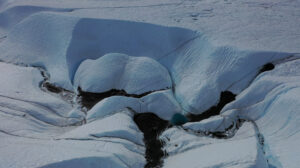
(143, 60)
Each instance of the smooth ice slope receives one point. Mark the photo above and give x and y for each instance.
(11, 16)
(42, 40)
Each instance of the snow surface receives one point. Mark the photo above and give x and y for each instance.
(181, 51)
(104, 152)
(150, 103)
(135, 75)
(272, 102)
(241, 151)
(187, 52)
(118, 125)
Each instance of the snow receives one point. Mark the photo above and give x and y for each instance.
(15, 14)
(196, 151)
(150, 103)
(112, 105)
(272, 101)
(118, 125)
(216, 123)
(185, 52)
(33, 121)
(60, 153)
(38, 39)
(21, 96)
(135, 75)
(248, 24)
(202, 70)
(153, 103)
(130, 38)
(189, 57)
(61, 53)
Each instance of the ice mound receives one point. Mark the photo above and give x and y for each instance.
(150, 103)
(135, 75)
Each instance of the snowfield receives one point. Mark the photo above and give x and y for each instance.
(78, 77)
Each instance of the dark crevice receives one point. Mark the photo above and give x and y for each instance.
(89, 99)
(266, 67)
(52, 88)
(64, 94)
(264, 148)
(152, 126)
(227, 133)
(11, 134)
(3, 37)
(225, 98)
(47, 86)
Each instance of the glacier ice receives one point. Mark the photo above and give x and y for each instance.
(177, 55)
(150, 103)
(135, 75)
(242, 150)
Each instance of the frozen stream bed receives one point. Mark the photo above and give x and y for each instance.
(149, 83)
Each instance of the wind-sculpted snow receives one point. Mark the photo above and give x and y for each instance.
(272, 102)
(21, 96)
(9, 17)
(242, 151)
(2, 2)
(60, 43)
(135, 75)
(42, 40)
(131, 38)
(53, 50)
(105, 160)
(34, 121)
(118, 125)
(202, 70)
(151, 102)
(103, 152)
